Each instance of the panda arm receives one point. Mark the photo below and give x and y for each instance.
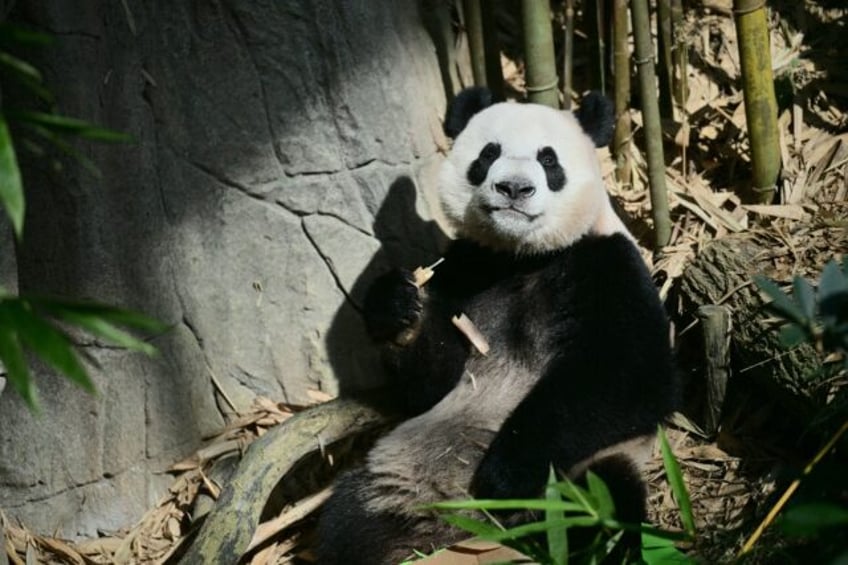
(610, 381)
(423, 352)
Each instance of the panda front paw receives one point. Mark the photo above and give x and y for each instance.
(497, 477)
(394, 308)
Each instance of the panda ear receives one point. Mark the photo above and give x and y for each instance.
(463, 106)
(597, 117)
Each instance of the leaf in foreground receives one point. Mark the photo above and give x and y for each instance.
(11, 188)
(678, 487)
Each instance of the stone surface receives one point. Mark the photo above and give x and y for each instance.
(280, 149)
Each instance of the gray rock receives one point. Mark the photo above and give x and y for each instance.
(278, 148)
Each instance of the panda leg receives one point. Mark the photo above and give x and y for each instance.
(627, 489)
(350, 533)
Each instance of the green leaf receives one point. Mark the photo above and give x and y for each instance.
(101, 328)
(809, 519)
(805, 295)
(66, 148)
(780, 303)
(678, 487)
(15, 34)
(833, 281)
(12, 356)
(791, 335)
(70, 126)
(582, 497)
(19, 67)
(599, 491)
(508, 504)
(557, 537)
(51, 345)
(661, 551)
(120, 316)
(543, 526)
(11, 188)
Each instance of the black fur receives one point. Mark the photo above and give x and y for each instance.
(479, 168)
(547, 157)
(463, 107)
(596, 115)
(593, 306)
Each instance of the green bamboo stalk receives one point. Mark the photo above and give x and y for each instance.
(594, 14)
(541, 78)
(494, 70)
(474, 29)
(568, 57)
(680, 57)
(651, 118)
(621, 73)
(666, 69)
(760, 102)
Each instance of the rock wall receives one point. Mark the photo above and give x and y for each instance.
(278, 151)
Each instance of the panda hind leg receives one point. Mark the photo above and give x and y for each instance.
(350, 533)
(627, 489)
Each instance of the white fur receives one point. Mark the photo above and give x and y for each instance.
(546, 220)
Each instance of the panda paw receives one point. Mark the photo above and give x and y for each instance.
(393, 308)
(495, 478)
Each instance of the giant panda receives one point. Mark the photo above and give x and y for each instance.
(579, 369)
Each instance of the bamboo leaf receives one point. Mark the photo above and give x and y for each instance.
(805, 295)
(833, 281)
(70, 126)
(658, 550)
(678, 487)
(557, 537)
(581, 496)
(12, 356)
(19, 67)
(516, 504)
(15, 34)
(11, 188)
(65, 148)
(780, 303)
(808, 519)
(101, 328)
(51, 345)
(599, 491)
(108, 313)
(792, 335)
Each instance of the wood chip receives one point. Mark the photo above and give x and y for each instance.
(467, 327)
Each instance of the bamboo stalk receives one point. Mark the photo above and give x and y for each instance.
(474, 29)
(621, 73)
(539, 53)
(665, 60)
(492, 47)
(680, 57)
(651, 117)
(760, 102)
(568, 56)
(594, 14)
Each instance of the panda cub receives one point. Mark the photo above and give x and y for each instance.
(579, 366)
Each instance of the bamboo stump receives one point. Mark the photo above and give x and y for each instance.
(722, 275)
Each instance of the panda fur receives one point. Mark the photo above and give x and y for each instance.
(579, 365)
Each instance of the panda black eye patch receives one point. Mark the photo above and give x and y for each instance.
(554, 173)
(479, 168)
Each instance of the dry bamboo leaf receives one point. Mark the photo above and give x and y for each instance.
(467, 327)
(789, 211)
(318, 395)
(298, 512)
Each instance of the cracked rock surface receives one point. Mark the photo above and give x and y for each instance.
(284, 152)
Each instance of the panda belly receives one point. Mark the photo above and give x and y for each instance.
(433, 457)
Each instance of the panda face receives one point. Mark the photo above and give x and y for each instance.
(524, 178)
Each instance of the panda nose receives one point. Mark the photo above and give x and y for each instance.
(515, 190)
